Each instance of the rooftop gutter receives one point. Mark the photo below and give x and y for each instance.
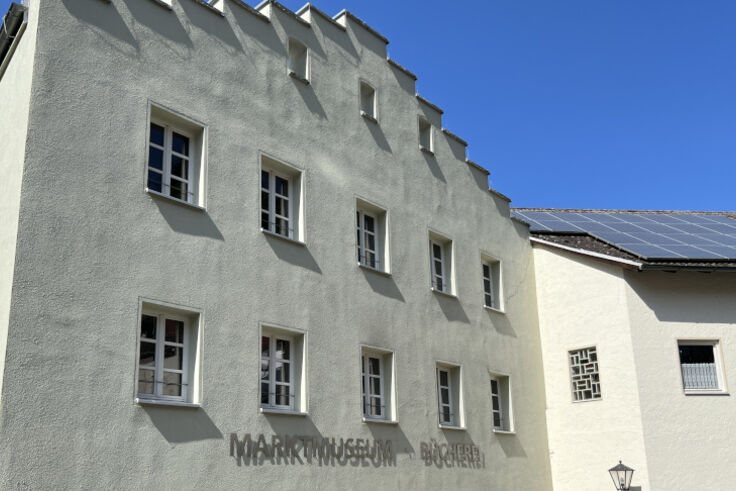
(13, 25)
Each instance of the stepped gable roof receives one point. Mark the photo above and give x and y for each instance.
(647, 239)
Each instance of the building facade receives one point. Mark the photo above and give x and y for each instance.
(240, 251)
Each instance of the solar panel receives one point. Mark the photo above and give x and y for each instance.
(648, 235)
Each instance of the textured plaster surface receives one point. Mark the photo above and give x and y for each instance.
(582, 303)
(15, 94)
(689, 438)
(91, 242)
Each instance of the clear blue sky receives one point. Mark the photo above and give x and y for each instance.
(577, 103)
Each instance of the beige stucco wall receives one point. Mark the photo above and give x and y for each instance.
(88, 253)
(15, 93)
(583, 302)
(689, 438)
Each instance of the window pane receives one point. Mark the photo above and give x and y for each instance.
(281, 227)
(369, 224)
(157, 134)
(172, 384)
(173, 357)
(147, 355)
(446, 417)
(282, 372)
(180, 144)
(494, 387)
(265, 367)
(486, 271)
(155, 158)
(282, 349)
(282, 395)
(375, 385)
(145, 381)
(696, 354)
(179, 189)
(265, 346)
(264, 200)
(437, 251)
(148, 327)
(371, 242)
(443, 378)
(264, 393)
(180, 167)
(282, 186)
(376, 406)
(174, 331)
(374, 366)
(154, 181)
(497, 420)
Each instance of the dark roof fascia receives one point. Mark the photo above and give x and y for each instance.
(12, 22)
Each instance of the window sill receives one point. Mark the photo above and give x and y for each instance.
(494, 309)
(714, 392)
(212, 8)
(504, 432)
(426, 150)
(163, 4)
(374, 270)
(141, 401)
(444, 294)
(283, 237)
(367, 116)
(379, 421)
(298, 77)
(282, 412)
(178, 201)
(452, 427)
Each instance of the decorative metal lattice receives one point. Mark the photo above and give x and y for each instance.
(586, 383)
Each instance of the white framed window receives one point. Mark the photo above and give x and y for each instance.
(281, 198)
(491, 271)
(298, 62)
(426, 138)
(586, 384)
(282, 375)
(501, 413)
(449, 395)
(168, 354)
(175, 165)
(372, 236)
(368, 104)
(701, 366)
(441, 264)
(377, 384)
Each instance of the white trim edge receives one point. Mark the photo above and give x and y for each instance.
(587, 253)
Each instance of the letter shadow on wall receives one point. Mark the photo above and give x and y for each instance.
(378, 136)
(434, 167)
(182, 425)
(452, 308)
(393, 433)
(383, 285)
(295, 254)
(183, 220)
(103, 16)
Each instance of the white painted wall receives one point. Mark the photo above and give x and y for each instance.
(582, 302)
(15, 94)
(93, 242)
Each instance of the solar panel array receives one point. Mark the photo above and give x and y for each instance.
(648, 235)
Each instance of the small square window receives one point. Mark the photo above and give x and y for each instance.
(586, 384)
(441, 264)
(175, 161)
(700, 365)
(491, 269)
(168, 355)
(282, 370)
(371, 237)
(426, 140)
(368, 101)
(298, 63)
(281, 203)
(449, 395)
(377, 384)
(501, 403)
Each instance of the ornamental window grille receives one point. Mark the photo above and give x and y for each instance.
(698, 366)
(584, 374)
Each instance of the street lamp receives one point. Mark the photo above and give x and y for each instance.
(621, 476)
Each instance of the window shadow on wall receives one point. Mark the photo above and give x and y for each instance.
(309, 98)
(293, 253)
(452, 308)
(383, 285)
(159, 20)
(434, 166)
(511, 445)
(187, 221)
(102, 16)
(501, 323)
(212, 23)
(292, 425)
(181, 425)
(378, 136)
